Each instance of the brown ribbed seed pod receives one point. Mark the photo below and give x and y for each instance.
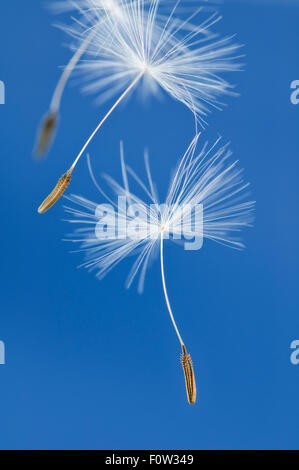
(186, 362)
(56, 193)
(46, 133)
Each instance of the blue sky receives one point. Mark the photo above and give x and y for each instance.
(90, 365)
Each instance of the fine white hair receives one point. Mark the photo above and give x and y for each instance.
(185, 59)
(209, 178)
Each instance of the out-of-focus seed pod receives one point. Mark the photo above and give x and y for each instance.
(46, 134)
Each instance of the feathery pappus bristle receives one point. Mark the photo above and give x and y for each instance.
(178, 53)
(46, 133)
(57, 192)
(187, 365)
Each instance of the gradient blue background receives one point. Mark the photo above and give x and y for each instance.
(93, 366)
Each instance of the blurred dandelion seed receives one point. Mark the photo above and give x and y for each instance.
(46, 133)
(174, 55)
(209, 179)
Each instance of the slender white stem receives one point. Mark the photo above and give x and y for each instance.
(165, 292)
(56, 99)
(106, 116)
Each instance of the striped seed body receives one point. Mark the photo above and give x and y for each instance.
(56, 193)
(187, 365)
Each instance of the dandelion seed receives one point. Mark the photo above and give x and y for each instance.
(57, 192)
(189, 376)
(154, 52)
(99, 11)
(209, 179)
(46, 133)
(184, 59)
